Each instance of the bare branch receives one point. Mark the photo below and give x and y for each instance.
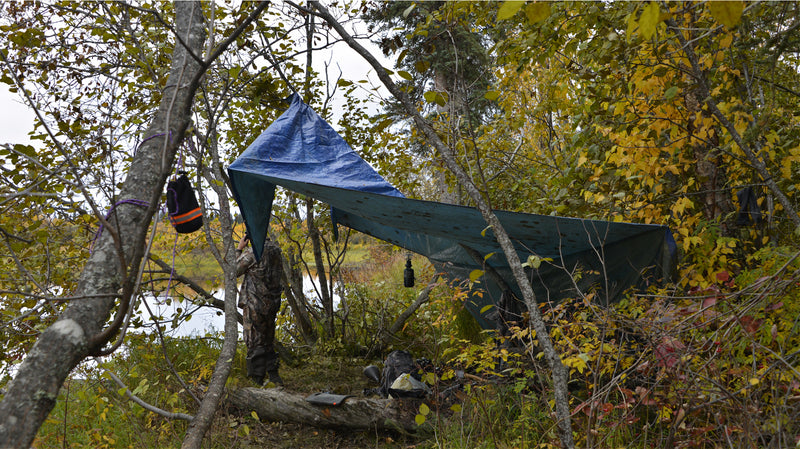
(141, 402)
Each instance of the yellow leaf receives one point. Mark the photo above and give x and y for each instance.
(726, 13)
(649, 20)
(508, 9)
(475, 275)
(754, 381)
(538, 11)
(631, 27)
(424, 409)
(726, 41)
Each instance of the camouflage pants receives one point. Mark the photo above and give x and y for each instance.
(258, 322)
(260, 300)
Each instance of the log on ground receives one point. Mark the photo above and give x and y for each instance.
(277, 404)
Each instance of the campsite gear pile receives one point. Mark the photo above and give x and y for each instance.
(400, 378)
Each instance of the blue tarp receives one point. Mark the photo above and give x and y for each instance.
(301, 152)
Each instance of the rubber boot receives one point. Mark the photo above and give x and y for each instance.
(275, 378)
(257, 365)
(271, 365)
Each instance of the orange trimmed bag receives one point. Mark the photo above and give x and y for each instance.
(184, 211)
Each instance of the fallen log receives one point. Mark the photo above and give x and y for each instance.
(277, 404)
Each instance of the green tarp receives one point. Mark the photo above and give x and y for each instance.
(302, 153)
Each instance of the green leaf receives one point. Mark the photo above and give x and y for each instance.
(508, 9)
(419, 419)
(456, 408)
(649, 20)
(670, 93)
(422, 66)
(383, 124)
(726, 13)
(405, 75)
(492, 95)
(538, 11)
(486, 308)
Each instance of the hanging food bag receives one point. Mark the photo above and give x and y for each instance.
(184, 211)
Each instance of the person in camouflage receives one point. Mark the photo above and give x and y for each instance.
(260, 300)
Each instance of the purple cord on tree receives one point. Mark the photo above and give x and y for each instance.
(135, 202)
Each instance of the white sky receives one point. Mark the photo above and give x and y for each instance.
(16, 119)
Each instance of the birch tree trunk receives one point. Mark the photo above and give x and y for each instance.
(109, 275)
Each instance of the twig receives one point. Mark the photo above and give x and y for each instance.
(142, 403)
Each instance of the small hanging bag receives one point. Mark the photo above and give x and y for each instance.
(184, 211)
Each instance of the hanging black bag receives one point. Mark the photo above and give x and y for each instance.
(184, 211)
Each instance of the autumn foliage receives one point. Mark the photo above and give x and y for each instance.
(682, 114)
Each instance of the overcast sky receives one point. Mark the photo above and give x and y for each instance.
(16, 119)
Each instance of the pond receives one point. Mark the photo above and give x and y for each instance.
(204, 319)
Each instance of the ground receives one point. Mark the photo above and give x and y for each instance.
(338, 375)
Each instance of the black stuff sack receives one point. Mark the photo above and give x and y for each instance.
(184, 211)
(397, 364)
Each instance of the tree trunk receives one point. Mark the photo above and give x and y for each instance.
(111, 270)
(398, 324)
(322, 277)
(293, 288)
(208, 406)
(275, 404)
